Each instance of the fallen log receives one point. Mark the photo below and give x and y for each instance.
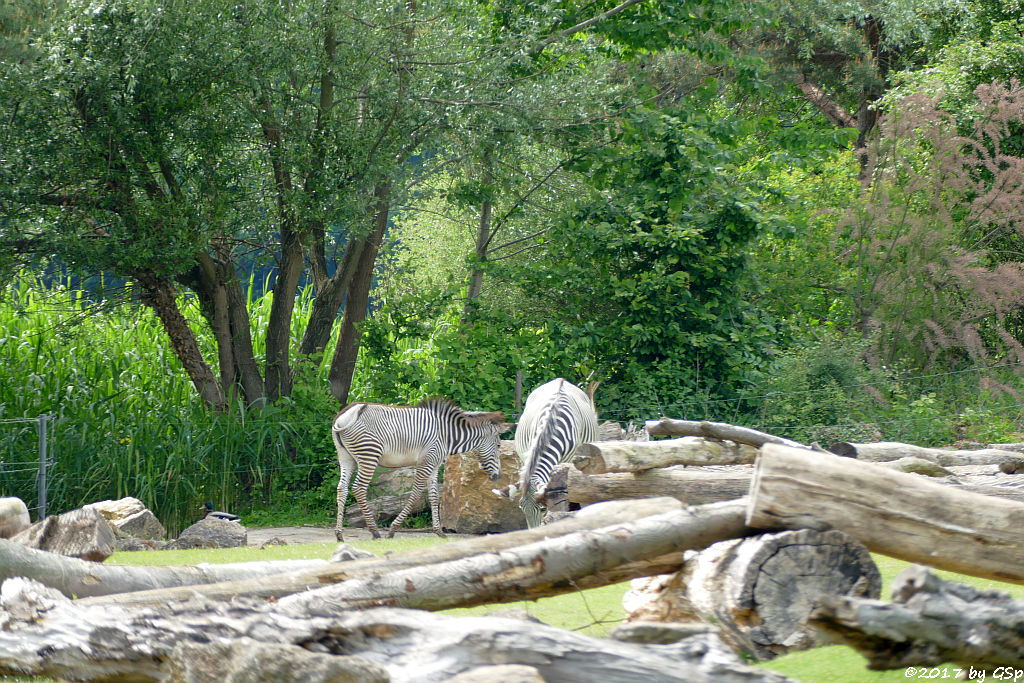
(930, 621)
(897, 514)
(691, 486)
(43, 633)
(748, 588)
(716, 430)
(891, 450)
(81, 578)
(637, 456)
(549, 566)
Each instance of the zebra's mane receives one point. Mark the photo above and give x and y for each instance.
(448, 407)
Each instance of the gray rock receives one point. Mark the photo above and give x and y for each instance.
(130, 518)
(501, 673)
(13, 516)
(344, 552)
(211, 533)
(82, 533)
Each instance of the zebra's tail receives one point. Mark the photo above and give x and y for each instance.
(543, 438)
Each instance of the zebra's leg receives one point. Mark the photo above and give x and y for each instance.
(419, 482)
(347, 464)
(434, 494)
(367, 466)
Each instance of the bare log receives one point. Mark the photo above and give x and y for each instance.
(45, 634)
(929, 622)
(546, 567)
(290, 582)
(637, 456)
(891, 450)
(716, 430)
(81, 578)
(897, 514)
(691, 486)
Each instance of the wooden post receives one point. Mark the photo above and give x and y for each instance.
(519, 391)
(41, 476)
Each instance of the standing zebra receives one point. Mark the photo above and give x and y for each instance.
(369, 434)
(558, 417)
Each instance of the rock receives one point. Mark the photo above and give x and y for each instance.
(82, 533)
(250, 661)
(468, 506)
(613, 431)
(276, 540)
(211, 533)
(130, 518)
(499, 673)
(344, 552)
(136, 544)
(13, 516)
(920, 466)
(383, 508)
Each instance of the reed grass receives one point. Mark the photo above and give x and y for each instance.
(126, 421)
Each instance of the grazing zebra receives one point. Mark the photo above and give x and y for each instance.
(558, 417)
(369, 434)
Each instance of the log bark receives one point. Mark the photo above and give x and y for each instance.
(45, 634)
(890, 450)
(901, 515)
(637, 456)
(75, 577)
(716, 430)
(690, 486)
(930, 621)
(550, 565)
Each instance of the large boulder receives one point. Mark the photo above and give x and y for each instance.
(13, 516)
(131, 519)
(82, 533)
(468, 506)
(211, 533)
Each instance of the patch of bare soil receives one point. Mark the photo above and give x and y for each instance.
(316, 534)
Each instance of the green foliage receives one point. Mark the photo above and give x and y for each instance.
(126, 422)
(826, 383)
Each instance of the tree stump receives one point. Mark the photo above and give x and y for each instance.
(760, 591)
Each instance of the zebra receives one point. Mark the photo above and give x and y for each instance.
(558, 417)
(370, 434)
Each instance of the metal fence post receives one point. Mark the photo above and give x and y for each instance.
(41, 477)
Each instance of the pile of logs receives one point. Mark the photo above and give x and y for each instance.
(727, 541)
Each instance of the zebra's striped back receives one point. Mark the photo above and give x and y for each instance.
(557, 417)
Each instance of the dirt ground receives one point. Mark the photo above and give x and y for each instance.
(315, 534)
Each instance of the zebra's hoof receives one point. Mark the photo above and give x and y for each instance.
(375, 534)
(391, 534)
(337, 535)
(440, 533)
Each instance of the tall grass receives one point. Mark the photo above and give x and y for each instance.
(126, 418)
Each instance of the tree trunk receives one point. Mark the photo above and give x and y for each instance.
(330, 295)
(715, 430)
(637, 456)
(748, 588)
(46, 634)
(278, 374)
(690, 486)
(158, 294)
(346, 352)
(930, 621)
(890, 450)
(447, 554)
(901, 515)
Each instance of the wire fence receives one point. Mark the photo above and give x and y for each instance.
(25, 457)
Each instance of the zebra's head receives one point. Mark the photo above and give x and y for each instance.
(490, 428)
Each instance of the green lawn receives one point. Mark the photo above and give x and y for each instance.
(595, 611)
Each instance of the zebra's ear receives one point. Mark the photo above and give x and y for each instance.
(505, 426)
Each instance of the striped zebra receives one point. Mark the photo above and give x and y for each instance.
(558, 416)
(370, 434)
